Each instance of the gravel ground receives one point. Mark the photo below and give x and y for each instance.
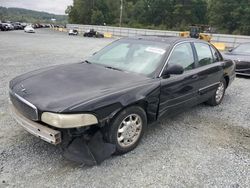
(202, 147)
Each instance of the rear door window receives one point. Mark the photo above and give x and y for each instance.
(205, 56)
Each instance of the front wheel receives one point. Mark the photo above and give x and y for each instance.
(218, 96)
(127, 129)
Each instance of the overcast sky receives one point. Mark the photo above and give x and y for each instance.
(52, 6)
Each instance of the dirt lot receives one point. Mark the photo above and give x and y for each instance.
(203, 147)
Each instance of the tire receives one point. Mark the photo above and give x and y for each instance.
(218, 95)
(126, 140)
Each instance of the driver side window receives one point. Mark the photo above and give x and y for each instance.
(183, 55)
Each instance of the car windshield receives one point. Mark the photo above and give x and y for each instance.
(138, 56)
(242, 49)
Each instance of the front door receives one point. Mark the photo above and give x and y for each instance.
(180, 91)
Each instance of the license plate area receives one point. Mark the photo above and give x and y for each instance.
(45, 133)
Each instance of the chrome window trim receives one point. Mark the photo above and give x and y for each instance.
(171, 54)
(173, 50)
(29, 104)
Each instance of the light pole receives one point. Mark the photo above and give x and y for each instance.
(121, 9)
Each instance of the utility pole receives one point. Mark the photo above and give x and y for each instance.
(121, 9)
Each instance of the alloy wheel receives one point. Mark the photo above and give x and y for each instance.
(129, 130)
(220, 92)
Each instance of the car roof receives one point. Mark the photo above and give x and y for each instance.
(164, 39)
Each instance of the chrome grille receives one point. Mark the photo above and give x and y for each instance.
(24, 106)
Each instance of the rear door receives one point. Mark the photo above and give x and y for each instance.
(209, 68)
(180, 91)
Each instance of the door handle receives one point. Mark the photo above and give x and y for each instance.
(195, 76)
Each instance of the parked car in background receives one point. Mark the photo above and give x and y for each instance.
(4, 27)
(29, 29)
(23, 24)
(10, 26)
(17, 26)
(93, 33)
(73, 32)
(103, 105)
(241, 56)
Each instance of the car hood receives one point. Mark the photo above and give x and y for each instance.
(60, 87)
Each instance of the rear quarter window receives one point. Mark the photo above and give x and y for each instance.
(216, 55)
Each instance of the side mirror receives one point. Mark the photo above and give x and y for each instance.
(230, 50)
(173, 69)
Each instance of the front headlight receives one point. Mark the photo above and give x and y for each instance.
(68, 120)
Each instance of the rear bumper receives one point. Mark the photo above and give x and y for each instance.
(45, 133)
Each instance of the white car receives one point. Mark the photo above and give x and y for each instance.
(73, 32)
(29, 29)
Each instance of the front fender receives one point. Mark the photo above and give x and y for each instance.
(106, 107)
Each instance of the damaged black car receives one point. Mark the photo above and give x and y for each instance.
(241, 56)
(93, 33)
(102, 106)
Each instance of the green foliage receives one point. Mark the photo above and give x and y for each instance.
(230, 16)
(97, 17)
(227, 16)
(29, 16)
(157, 13)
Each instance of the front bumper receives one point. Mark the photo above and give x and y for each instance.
(45, 133)
(91, 151)
(242, 68)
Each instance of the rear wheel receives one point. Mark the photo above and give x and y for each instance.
(127, 129)
(218, 96)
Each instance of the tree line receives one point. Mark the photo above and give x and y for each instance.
(227, 16)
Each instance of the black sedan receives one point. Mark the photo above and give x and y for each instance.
(93, 33)
(103, 105)
(241, 56)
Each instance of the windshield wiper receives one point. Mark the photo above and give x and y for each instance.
(113, 68)
(107, 67)
(86, 61)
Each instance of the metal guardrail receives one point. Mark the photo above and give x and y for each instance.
(229, 40)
